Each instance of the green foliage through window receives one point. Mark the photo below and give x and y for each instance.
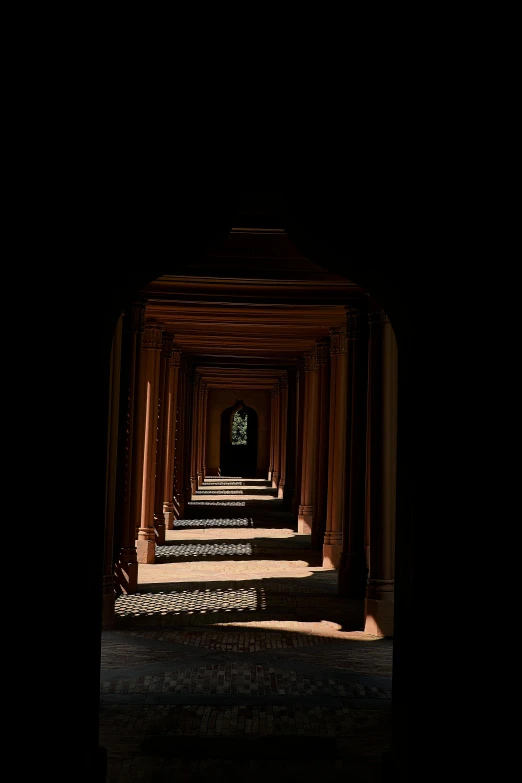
(239, 428)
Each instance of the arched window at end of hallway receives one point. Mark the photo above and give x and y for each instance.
(239, 428)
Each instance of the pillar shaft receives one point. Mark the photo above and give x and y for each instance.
(130, 457)
(299, 421)
(283, 427)
(194, 436)
(277, 435)
(323, 407)
(162, 435)
(382, 464)
(110, 497)
(151, 349)
(272, 435)
(336, 483)
(181, 428)
(201, 414)
(205, 413)
(353, 568)
(309, 475)
(168, 472)
(289, 490)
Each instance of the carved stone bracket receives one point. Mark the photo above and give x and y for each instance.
(338, 341)
(310, 361)
(153, 337)
(357, 324)
(378, 317)
(135, 320)
(167, 345)
(322, 353)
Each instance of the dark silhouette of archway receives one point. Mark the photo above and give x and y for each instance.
(124, 243)
(239, 459)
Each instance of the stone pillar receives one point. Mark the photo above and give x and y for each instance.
(194, 436)
(151, 349)
(162, 436)
(277, 434)
(382, 462)
(283, 427)
(299, 428)
(323, 406)
(130, 457)
(272, 442)
(201, 414)
(110, 497)
(205, 411)
(289, 490)
(335, 506)
(353, 569)
(168, 471)
(306, 519)
(181, 429)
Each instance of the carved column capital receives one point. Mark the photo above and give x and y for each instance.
(338, 341)
(152, 336)
(357, 322)
(378, 317)
(322, 353)
(167, 345)
(134, 320)
(310, 361)
(176, 358)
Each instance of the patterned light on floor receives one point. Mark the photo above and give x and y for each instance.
(188, 602)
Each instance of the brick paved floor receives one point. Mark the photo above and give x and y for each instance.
(237, 641)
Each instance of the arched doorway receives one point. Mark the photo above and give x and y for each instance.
(239, 437)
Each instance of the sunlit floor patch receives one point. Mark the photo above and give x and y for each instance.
(229, 532)
(222, 570)
(188, 602)
(325, 628)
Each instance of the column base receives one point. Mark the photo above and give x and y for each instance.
(168, 516)
(126, 572)
(159, 528)
(280, 490)
(353, 573)
(199, 478)
(275, 479)
(146, 551)
(108, 600)
(318, 531)
(332, 555)
(179, 507)
(269, 477)
(305, 520)
(378, 617)
(193, 485)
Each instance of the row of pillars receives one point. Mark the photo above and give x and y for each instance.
(341, 419)
(332, 452)
(146, 473)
